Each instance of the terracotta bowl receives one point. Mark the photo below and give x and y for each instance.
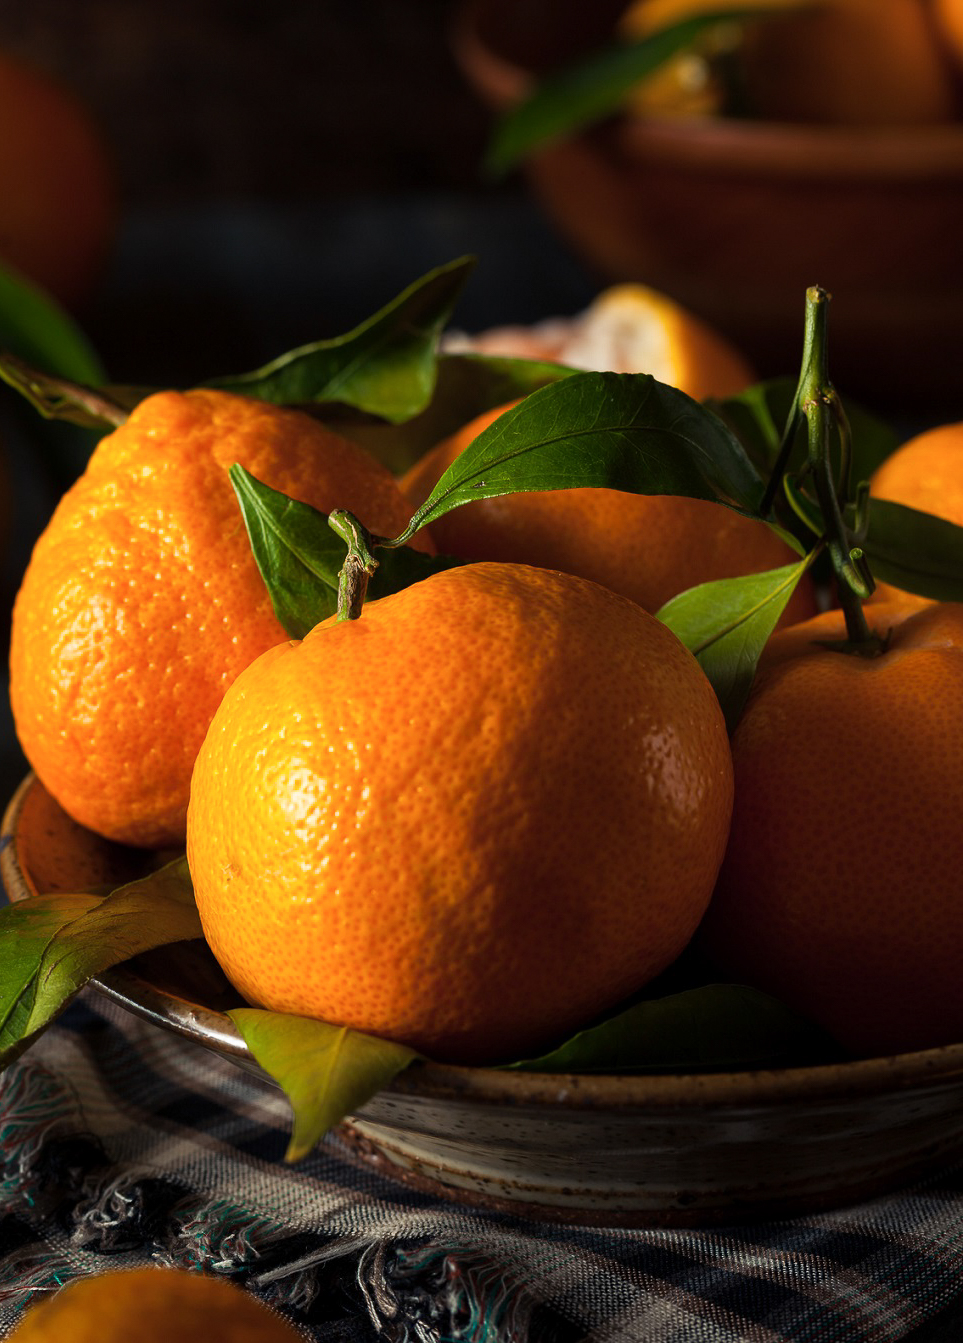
(671, 1150)
(736, 218)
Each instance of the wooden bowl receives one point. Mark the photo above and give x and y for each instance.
(735, 219)
(608, 1150)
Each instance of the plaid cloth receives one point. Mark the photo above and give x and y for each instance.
(122, 1145)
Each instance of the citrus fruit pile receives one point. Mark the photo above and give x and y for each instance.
(589, 724)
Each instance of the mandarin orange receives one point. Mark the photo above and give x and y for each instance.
(154, 1305)
(926, 473)
(647, 547)
(142, 600)
(840, 890)
(470, 820)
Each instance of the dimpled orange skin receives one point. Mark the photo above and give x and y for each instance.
(647, 547)
(142, 600)
(842, 885)
(469, 821)
(154, 1305)
(926, 472)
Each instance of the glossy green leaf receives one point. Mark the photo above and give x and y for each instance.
(386, 366)
(624, 431)
(300, 557)
(326, 1072)
(591, 89)
(52, 945)
(715, 1026)
(467, 385)
(727, 623)
(915, 551)
(35, 327)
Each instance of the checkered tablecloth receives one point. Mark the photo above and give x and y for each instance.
(121, 1144)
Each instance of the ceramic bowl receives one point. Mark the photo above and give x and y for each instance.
(736, 218)
(670, 1150)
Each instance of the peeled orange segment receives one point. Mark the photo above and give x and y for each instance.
(629, 328)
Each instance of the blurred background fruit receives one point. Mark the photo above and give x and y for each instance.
(853, 180)
(949, 19)
(849, 62)
(59, 206)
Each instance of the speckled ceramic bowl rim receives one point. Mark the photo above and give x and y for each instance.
(507, 1087)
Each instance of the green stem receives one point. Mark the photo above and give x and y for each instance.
(60, 398)
(820, 404)
(359, 562)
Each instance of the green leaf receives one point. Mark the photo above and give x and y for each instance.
(326, 1072)
(588, 91)
(727, 623)
(385, 366)
(300, 557)
(37, 329)
(52, 945)
(715, 1026)
(467, 385)
(625, 431)
(915, 551)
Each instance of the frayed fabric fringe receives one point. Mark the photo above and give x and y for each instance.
(432, 1292)
(67, 1209)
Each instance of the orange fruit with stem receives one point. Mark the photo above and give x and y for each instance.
(142, 599)
(646, 547)
(154, 1305)
(926, 473)
(470, 820)
(840, 889)
(59, 206)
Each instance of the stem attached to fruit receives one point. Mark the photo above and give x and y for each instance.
(818, 402)
(359, 562)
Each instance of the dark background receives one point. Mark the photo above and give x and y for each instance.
(284, 170)
(297, 100)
